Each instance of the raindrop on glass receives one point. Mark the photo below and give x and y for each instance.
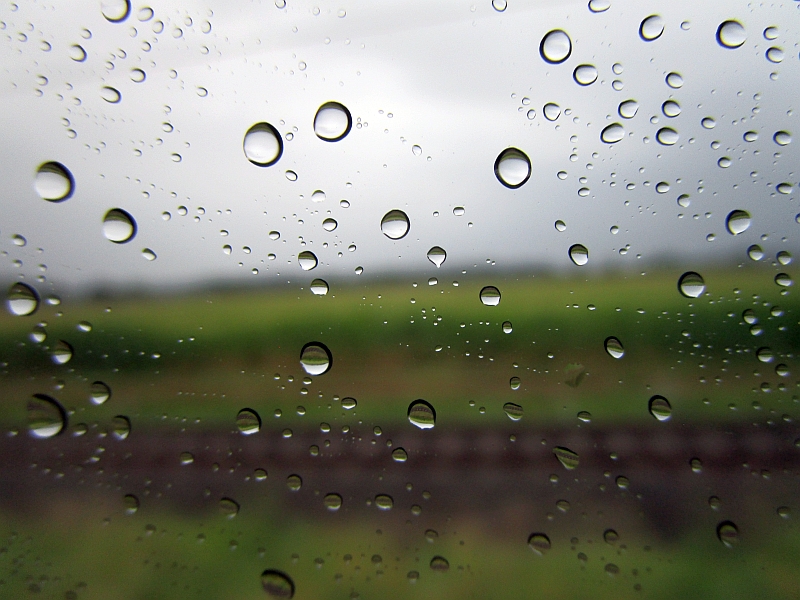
(612, 134)
(315, 358)
(99, 392)
(628, 109)
(46, 417)
(54, 182)
(539, 543)
(567, 458)
(731, 34)
(332, 122)
(262, 145)
(782, 138)
(660, 408)
(329, 224)
(737, 221)
(332, 502)
(691, 284)
(437, 256)
(585, 74)
(110, 95)
(119, 226)
(120, 427)
(248, 421)
(651, 28)
(783, 280)
(513, 411)
(755, 252)
(422, 414)
(22, 300)
(307, 260)
(674, 80)
(512, 168)
(77, 53)
(667, 136)
(131, 504)
(507, 327)
(728, 533)
(115, 11)
(399, 455)
(62, 352)
(384, 502)
(671, 109)
(395, 224)
(579, 254)
(277, 584)
(349, 403)
(490, 296)
(555, 46)
(319, 287)
(440, 564)
(551, 111)
(614, 347)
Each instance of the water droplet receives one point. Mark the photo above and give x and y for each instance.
(22, 300)
(782, 138)
(332, 502)
(186, 458)
(399, 455)
(512, 168)
(612, 134)
(499, 5)
(148, 254)
(307, 260)
(539, 543)
(674, 80)
(262, 145)
(458, 211)
(384, 502)
(783, 280)
(315, 358)
(708, 123)
(77, 53)
(585, 74)
(755, 252)
(660, 408)
(507, 327)
(115, 11)
(696, 465)
(437, 256)
(294, 483)
(579, 254)
(784, 257)
(585, 416)
(784, 188)
(119, 226)
(667, 136)
(555, 46)
(614, 347)
(332, 122)
(737, 221)
(784, 512)
(319, 287)
(131, 504)
(248, 421)
(422, 414)
(110, 95)
(728, 533)
(628, 109)
(598, 6)
(277, 583)
(62, 352)
(99, 392)
(138, 76)
(291, 175)
(513, 411)
(651, 28)
(440, 564)
(567, 458)
(416, 150)
(731, 34)
(395, 224)
(120, 427)
(691, 284)
(560, 225)
(551, 111)
(671, 109)
(490, 296)
(349, 403)
(610, 536)
(54, 182)
(515, 383)
(329, 224)
(46, 417)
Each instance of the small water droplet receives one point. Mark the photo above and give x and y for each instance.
(731, 34)
(539, 543)
(46, 417)
(512, 168)
(598, 6)
(499, 5)
(613, 133)
(579, 254)
(110, 95)
(784, 257)
(291, 175)
(315, 358)
(784, 512)
(395, 224)
(585, 74)
(551, 111)
(507, 327)
(332, 122)
(784, 188)
(440, 564)
(119, 226)
(755, 252)
(148, 254)
(513, 411)
(560, 225)
(674, 80)
(515, 383)
(121, 427)
(248, 421)
(422, 414)
(262, 145)
(399, 455)
(277, 583)
(691, 284)
(782, 138)
(77, 53)
(115, 11)
(384, 502)
(186, 458)
(708, 123)
(651, 28)
(555, 46)
(416, 150)
(671, 109)
(307, 260)
(783, 280)
(585, 416)
(131, 504)
(667, 136)
(737, 221)
(614, 347)
(294, 483)
(728, 533)
(54, 182)
(329, 224)
(567, 458)
(349, 403)
(332, 502)
(628, 109)
(437, 256)
(99, 392)
(490, 296)
(660, 408)
(22, 300)
(319, 287)
(62, 352)
(696, 465)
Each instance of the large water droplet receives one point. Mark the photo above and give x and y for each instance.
(399, 455)
(674, 80)
(110, 95)
(490, 296)
(667, 136)
(319, 287)
(77, 53)
(512, 168)
(691, 284)
(614, 347)
(421, 414)
(307, 260)
(395, 224)
(46, 417)
(22, 300)
(555, 46)
(329, 224)
(513, 411)
(598, 6)
(437, 256)
(755, 252)
(294, 483)
(440, 564)
(332, 502)
(782, 138)
(99, 392)
(774, 54)
(737, 221)
(567, 458)
(783, 280)
(551, 111)
(277, 584)
(671, 109)
(651, 28)
(539, 543)
(349, 403)
(731, 34)
(613, 133)
(248, 421)
(728, 533)
(54, 182)
(62, 352)
(660, 408)
(585, 74)
(315, 358)
(628, 109)
(115, 11)
(332, 122)
(499, 5)
(384, 502)
(262, 145)
(579, 254)
(121, 427)
(119, 226)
